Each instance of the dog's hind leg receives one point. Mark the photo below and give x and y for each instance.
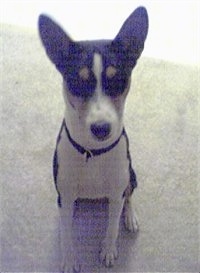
(130, 218)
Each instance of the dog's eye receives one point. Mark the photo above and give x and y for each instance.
(114, 82)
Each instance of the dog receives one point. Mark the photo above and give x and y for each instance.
(92, 158)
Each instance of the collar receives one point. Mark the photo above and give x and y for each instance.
(92, 152)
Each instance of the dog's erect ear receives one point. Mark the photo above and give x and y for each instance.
(133, 33)
(55, 40)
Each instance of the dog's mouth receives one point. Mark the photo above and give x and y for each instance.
(101, 131)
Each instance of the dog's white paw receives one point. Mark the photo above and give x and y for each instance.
(131, 221)
(108, 254)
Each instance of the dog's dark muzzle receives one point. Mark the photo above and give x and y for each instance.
(100, 130)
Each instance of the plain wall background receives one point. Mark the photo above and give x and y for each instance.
(174, 32)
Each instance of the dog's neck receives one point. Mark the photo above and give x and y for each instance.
(89, 153)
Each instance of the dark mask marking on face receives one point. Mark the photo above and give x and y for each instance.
(78, 74)
(116, 72)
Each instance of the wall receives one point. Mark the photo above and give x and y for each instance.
(174, 32)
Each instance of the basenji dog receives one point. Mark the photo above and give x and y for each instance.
(92, 158)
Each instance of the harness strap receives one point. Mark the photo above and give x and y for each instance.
(89, 154)
(92, 152)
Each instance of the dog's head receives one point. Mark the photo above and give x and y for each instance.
(96, 76)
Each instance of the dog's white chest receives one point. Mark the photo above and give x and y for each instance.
(92, 180)
(95, 177)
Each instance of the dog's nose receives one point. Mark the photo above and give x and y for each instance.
(100, 130)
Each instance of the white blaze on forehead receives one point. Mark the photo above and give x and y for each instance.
(100, 106)
(97, 67)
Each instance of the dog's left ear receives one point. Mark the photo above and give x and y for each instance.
(132, 34)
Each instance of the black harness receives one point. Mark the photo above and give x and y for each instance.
(92, 152)
(89, 154)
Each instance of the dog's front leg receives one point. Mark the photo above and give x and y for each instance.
(68, 264)
(109, 248)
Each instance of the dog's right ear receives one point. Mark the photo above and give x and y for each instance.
(55, 40)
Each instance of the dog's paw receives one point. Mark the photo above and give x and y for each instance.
(131, 221)
(108, 254)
